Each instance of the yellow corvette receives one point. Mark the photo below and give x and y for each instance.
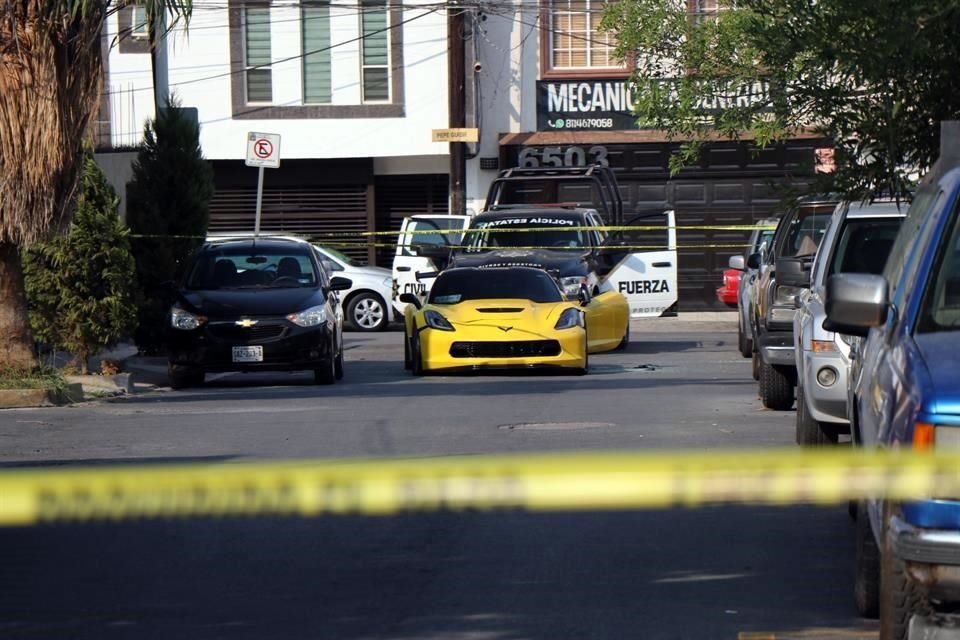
(510, 317)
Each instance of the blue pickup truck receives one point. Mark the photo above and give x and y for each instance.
(904, 392)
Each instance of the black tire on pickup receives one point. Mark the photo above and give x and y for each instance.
(900, 597)
(810, 432)
(776, 387)
(183, 376)
(756, 365)
(744, 343)
(866, 582)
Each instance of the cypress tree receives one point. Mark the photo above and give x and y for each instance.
(168, 211)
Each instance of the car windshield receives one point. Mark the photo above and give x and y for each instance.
(941, 299)
(805, 233)
(249, 266)
(342, 257)
(456, 286)
(550, 233)
(864, 246)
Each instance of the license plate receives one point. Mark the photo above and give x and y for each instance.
(248, 354)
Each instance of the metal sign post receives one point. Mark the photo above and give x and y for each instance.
(263, 150)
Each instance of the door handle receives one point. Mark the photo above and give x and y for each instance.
(662, 264)
(403, 268)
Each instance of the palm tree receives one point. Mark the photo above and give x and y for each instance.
(50, 78)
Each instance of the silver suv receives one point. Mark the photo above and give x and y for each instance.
(857, 240)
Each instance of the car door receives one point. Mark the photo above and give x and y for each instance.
(421, 240)
(605, 316)
(640, 262)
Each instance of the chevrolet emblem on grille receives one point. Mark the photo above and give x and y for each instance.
(246, 323)
(504, 329)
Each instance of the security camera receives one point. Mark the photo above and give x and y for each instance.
(477, 67)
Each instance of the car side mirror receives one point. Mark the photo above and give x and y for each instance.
(339, 283)
(856, 301)
(736, 262)
(793, 272)
(583, 296)
(753, 260)
(409, 298)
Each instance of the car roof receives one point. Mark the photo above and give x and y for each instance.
(505, 212)
(877, 209)
(261, 242)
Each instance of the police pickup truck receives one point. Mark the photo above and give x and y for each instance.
(554, 219)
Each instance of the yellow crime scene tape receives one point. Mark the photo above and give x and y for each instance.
(543, 482)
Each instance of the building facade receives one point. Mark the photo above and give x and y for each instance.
(355, 88)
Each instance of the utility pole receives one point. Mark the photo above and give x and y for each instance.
(456, 77)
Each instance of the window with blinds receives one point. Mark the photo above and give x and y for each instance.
(141, 26)
(575, 39)
(316, 53)
(375, 51)
(257, 50)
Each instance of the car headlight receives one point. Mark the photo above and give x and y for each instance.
(785, 296)
(183, 320)
(569, 319)
(571, 285)
(437, 321)
(309, 317)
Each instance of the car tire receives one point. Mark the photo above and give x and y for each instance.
(776, 388)
(866, 583)
(338, 364)
(756, 365)
(183, 377)
(744, 343)
(407, 361)
(900, 598)
(582, 371)
(625, 342)
(810, 432)
(416, 358)
(326, 373)
(367, 311)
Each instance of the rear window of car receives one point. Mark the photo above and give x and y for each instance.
(452, 287)
(251, 267)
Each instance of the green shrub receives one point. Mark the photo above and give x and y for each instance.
(80, 286)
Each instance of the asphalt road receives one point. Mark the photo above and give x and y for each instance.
(709, 573)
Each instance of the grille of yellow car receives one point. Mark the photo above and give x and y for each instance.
(506, 349)
(500, 310)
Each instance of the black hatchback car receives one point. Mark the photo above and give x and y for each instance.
(256, 304)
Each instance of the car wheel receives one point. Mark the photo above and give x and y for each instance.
(756, 365)
(338, 364)
(811, 433)
(407, 361)
(625, 342)
(900, 598)
(586, 356)
(743, 342)
(367, 312)
(866, 584)
(416, 358)
(182, 376)
(776, 388)
(326, 373)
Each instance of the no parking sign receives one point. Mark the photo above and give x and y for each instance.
(263, 150)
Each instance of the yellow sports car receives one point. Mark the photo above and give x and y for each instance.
(510, 317)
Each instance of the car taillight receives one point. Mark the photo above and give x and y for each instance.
(924, 436)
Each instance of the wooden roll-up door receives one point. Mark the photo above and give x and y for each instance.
(335, 216)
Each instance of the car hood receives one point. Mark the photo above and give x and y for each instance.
(230, 303)
(566, 263)
(940, 352)
(519, 313)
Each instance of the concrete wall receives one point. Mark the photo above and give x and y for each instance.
(118, 167)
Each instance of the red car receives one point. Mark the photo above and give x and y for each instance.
(727, 294)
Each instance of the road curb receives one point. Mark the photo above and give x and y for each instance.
(27, 398)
